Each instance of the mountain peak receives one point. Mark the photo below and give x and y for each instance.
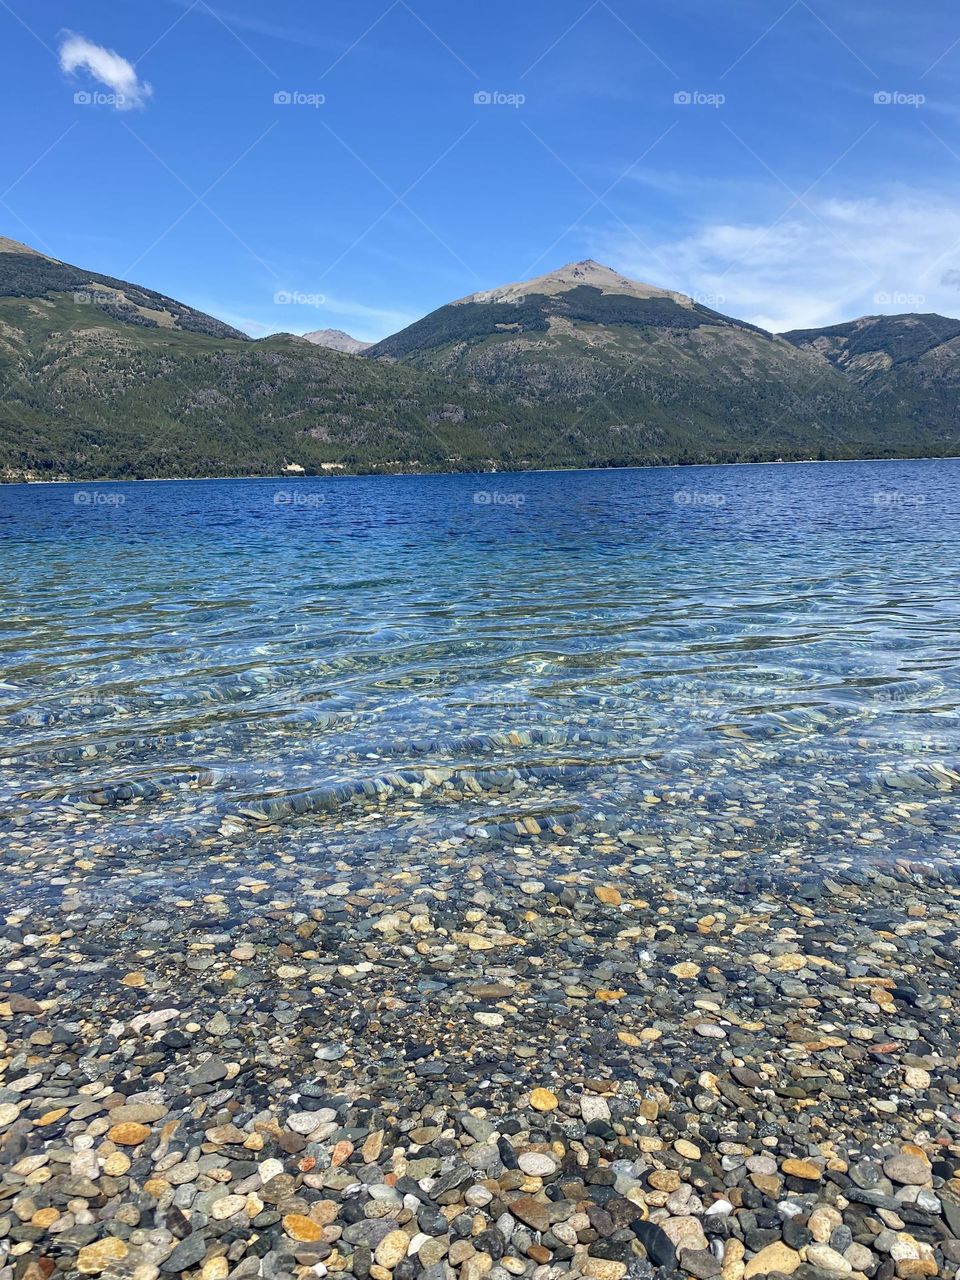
(337, 340)
(587, 273)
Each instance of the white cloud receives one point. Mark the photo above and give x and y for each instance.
(821, 264)
(126, 90)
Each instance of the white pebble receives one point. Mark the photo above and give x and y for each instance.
(489, 1019)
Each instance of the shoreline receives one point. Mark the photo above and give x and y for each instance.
(423, 475)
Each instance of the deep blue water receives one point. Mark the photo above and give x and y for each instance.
(756, 655)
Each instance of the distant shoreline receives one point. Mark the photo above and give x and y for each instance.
(530, 471)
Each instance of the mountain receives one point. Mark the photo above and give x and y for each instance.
(337, 340)
(662, 371)
(100, 378)
(907, 366)
(25, 273)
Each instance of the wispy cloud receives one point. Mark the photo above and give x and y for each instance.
(376, 315)
(127, 91)
(832, 261)
(259, 26)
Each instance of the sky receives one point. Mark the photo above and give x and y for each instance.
(354, 164)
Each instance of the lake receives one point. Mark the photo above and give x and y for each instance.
(498, 876)
(756, 659)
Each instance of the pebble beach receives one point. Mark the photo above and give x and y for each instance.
(423, 948)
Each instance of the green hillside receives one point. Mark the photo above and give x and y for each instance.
(101, 378)
(906, 367)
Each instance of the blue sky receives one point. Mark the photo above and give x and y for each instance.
(733, 150)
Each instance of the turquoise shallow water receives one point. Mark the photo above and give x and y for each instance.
(757, 658)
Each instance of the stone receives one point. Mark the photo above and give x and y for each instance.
(19, 1003)
(774, 1257)
(129, 1133)
(96, 1257)
(803, 1169)
(476, 1267)
(823, 1221)
(537, 1165)
(685, 1232)
(664, 1180)
(431, 1252)
(543, 1100)
(392, 1249)
(8, 1113)
(188, 1253)
(373, 1146)
(227, 1206)
(608, 895)
(860, 1257)
(656, 1243)
(303, 1122)
(307, 1231)
(827, 1259)
(489, 1019)
(535, 1213)
(700, 1263)
(50, 1117)
(593, 1107)
(341, 1153)
(269, 1169)
(332, 1052)
(209, 1072)
(689, 1150)
(733, 1266)
(604, 1268)
(769, 1184)
(139, 1112)
(908, 1169)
